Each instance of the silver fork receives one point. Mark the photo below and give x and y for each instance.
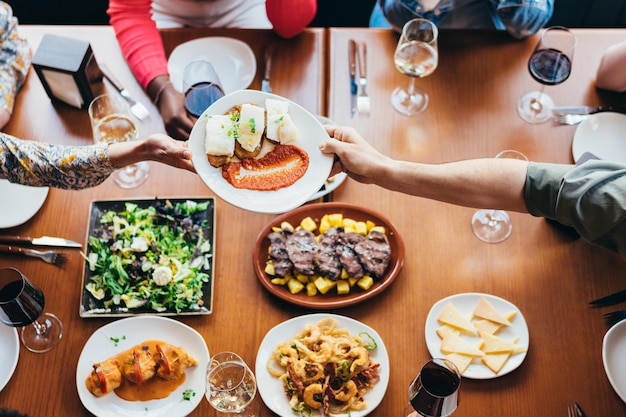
(137, 108)
(51, 257)
(574, 410)
(570, 119)
(363, 100)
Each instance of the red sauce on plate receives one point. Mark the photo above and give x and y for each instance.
(279, 168)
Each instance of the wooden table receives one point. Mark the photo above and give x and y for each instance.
(547, 274)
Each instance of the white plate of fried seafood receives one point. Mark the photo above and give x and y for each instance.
(515, 332)
(271, 388)
(310, 133)
(120, 336)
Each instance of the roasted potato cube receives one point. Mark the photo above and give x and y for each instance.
(308, 224)
(269, 268)
(324, 224)
(295, 286)
(365, 282)
(322, 285)
(311, 289)
(360, 228)
(380, 229)
(286, 226)
(347, 222)
(335, 219)
(343, 287)
(370, 225)
(278, 281)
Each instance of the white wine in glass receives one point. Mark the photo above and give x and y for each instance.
(549, 64)
(416, 56)
(111, 122)
(231, 385)
(490, 225)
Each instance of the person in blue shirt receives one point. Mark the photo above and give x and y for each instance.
(520, 18)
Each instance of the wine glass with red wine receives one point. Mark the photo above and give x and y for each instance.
(201, 86)
(549, 64)
(435, 390)
(21, 305)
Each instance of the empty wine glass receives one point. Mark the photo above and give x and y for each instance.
(490, 225)
(416, 56)
(21, 305)
(435, 390)
(111, 122)
(231, 386)
(549, 64)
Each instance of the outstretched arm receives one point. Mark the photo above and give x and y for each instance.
(481, 183)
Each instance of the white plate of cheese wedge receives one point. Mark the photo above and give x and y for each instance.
(486, 336)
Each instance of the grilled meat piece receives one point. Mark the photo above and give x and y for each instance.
(347, 256)
(301, 246)
(326, 256)
(278, 253)
(374, 253)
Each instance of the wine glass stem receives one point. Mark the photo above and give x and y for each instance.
(411, 89)
(536, 104)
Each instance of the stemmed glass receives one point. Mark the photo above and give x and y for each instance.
(435, 390)
(490, 225)
(416, 56)
(201, 86)
(231, 386)
(111, 122)
(549, 64)
(21, 305)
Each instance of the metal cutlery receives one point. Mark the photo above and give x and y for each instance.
(138, 109)
(363, 99)
(352, 68)
(610, 299)
(265, 83)
(574, 410)
(40, 241)
(570, 119)
(51, 257)
(614, 317)
(575, 114)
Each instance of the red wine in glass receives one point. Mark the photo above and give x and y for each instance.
(22, 305)
(549, 64)
(434, 392)
(200, 96)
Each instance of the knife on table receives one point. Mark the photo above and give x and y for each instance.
(587, 109)
(40, 241)
(352, 65)
(610, 299)
(265, 83)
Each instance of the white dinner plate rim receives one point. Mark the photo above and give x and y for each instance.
(271, 389)
(330, 186)
(311, 133)
(131, 331)
(461, 302)
(9, 353)
(588, 137)
(235, 52)
(24, 203)
(614, 338)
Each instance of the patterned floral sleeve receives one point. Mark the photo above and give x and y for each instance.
(15, 58)
(43, 164)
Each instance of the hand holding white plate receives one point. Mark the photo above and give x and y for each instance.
(310, 134)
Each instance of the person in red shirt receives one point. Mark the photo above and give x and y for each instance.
(137, 22)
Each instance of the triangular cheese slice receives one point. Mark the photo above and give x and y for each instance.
(485, 310)
(460, 361)
(446, 330)
(491, 327)
(495, 344)
(451, 316)
(455, 344)
(495, 361)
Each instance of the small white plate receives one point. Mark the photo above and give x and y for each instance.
(614, 357)
(271, 388)
(233, 60)
(311, 133)
(18, 203)
(602, 134)
(9, 353)
(465, 303)
(131, 331)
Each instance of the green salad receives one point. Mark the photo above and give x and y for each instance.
(156, 258)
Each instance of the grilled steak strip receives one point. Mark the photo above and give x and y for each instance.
(374, 253)
(278, 253)
(326, 257)
(301, 246)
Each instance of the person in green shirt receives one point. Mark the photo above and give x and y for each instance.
(590, 198)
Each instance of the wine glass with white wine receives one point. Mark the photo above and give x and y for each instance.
(231, 386)
(491, 225)
(416, 56)
(111, 122)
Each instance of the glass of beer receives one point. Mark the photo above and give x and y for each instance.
(112, 122)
